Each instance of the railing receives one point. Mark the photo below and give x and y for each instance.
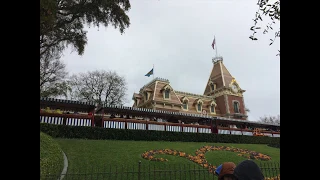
(122, 123)
(66, 119)
(148, 171)
(69, 105)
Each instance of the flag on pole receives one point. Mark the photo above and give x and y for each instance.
(213, 43)
(149, 73)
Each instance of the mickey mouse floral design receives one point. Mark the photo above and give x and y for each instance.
(200, 158)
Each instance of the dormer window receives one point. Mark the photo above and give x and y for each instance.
(146, 96)
(199, 104)
(185, 102)
(167, 94)
(212, 86)
(146, 93)
(185, 105)
(199, 107)
(236, 107)
(166, 90)
(212, 107)
(137, 98)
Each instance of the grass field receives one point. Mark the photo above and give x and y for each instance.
(97, 155)
(51, 158)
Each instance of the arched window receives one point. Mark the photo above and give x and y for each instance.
(185, 102)
(236, 107)
(199, 107)
(212, 86)
(212, 109)
(166, 90)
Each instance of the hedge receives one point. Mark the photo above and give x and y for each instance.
(81, 132)
(275, 145)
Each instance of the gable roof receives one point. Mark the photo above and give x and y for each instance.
(219, 76)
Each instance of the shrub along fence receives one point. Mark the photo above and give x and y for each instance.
(82, 132)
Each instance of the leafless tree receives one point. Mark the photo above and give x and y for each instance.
(52, 75)
(270, 119)
(268, 10)
(101, 87)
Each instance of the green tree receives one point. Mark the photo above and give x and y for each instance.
(62, 21)
(271, 11)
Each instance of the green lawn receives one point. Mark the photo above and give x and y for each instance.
(51, 158)
(101, 155)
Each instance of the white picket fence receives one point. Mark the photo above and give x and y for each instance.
(141, 126)
(172, 128)
(70, 121)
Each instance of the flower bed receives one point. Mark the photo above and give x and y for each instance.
(200, 159)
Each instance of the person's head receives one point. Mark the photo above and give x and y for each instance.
(226, 172)
(229, 177)
(248, 170)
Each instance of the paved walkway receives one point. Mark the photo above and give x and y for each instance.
(65, 166)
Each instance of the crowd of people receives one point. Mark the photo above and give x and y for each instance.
(246, 170)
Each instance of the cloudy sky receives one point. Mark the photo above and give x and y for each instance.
(175, 36)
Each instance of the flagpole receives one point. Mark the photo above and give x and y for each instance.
(153, 71)
(215, 41)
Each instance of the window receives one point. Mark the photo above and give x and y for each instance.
(166, 90)
(185, 105)
(146, 95)
(236, 107)
(212, 108)
(212, 87)
(199, 106)
(185, 102)
(167, 93)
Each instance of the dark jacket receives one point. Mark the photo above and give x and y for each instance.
(248, 170)
(214, 130)
(227, 169)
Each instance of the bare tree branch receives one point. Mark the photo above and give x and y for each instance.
(270, 119)
(102, 87)
(52, 75)
(268, 10)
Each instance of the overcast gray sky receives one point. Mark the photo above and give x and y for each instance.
(176, 36)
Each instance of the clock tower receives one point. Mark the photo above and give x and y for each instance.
(226, 91)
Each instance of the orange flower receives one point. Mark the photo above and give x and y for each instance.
(200, 156)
